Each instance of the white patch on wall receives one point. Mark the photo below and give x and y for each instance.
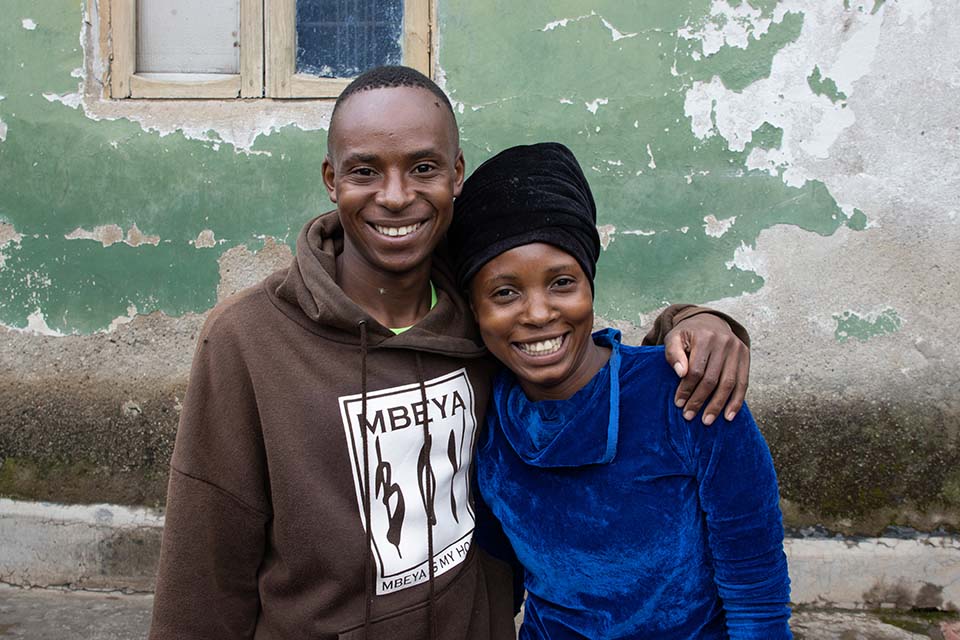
(205, 240)
(615, 33)
(727, 25)
(72, 100)
(593, 105)
(28, 24)
(37, 325)
(3, 131)
(811, 123)
(717, 228)
(110, 234)
(607, 232)
(638, 232)
(652, 164)
(746, 258)
(8, 235)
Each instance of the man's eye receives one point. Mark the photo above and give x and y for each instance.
(364, 172)
(423, 168)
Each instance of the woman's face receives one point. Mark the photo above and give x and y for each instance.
(534, 306)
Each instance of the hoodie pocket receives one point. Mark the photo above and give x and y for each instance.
(462, 610)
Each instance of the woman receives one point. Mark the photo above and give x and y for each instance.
(629, 521)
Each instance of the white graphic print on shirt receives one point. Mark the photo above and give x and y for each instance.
(399, 478)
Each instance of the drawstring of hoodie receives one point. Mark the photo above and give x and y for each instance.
(429, 498)
(367, 568)
(429, 494)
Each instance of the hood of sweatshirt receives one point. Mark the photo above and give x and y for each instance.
(308, 293)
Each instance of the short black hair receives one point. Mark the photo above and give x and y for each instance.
(389, 77)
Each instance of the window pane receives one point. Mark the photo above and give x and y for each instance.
(188, 36)
(343, 38)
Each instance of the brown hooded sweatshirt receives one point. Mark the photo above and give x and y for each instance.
(266, 533)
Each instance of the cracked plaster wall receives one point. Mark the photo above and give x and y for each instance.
(790, 161)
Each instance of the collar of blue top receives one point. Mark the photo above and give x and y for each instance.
(580, 430)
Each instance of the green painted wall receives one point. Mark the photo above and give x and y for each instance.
(840, 280)
(60, 170)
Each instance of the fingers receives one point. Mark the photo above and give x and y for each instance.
(743, 381)
(697, 367)
(676, 353)
(726, 389)
(711, 369)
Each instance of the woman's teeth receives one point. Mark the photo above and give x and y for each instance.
(396, 232)
(542, 348)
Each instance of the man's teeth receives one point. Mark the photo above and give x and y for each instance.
(541, 348)
(396, 232)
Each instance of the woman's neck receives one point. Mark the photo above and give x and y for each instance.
(594, 360)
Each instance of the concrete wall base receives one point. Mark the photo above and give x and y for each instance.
(96, 547)
(117, 548)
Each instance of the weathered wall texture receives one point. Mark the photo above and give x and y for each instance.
(793, 162)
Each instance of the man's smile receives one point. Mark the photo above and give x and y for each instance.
(396, 232)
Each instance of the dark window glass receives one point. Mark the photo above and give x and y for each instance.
(343, 38)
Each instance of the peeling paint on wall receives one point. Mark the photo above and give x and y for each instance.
(8, 236)
(606, 231)
(119, 321)
(37, 325)
(111, 234)
(863, 327)
(205, 240)
(28, 24)
(615, 33)
(665, 151)
(716, 228)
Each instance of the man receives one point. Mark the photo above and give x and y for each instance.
(319, 483)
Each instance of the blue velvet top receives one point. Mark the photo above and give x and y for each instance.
(631, 522)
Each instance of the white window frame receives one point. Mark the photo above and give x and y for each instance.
(267, 40)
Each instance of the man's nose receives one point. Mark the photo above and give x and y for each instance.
(396, 193)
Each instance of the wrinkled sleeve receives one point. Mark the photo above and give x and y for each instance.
(217, 507)
(738, 493)
(676, 313)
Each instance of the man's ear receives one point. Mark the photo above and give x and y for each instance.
(329, 178)
(460, 168)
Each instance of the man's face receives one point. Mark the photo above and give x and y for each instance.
(393, 169)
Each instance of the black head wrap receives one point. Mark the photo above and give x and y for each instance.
(526, 194)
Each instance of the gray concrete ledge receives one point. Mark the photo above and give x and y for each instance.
(109, 547)
(93, 547)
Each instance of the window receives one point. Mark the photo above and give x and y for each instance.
(260, 48)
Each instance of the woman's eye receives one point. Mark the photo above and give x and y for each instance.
(503, 293)
(564, 282)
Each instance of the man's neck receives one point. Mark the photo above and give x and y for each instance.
(394, 300)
